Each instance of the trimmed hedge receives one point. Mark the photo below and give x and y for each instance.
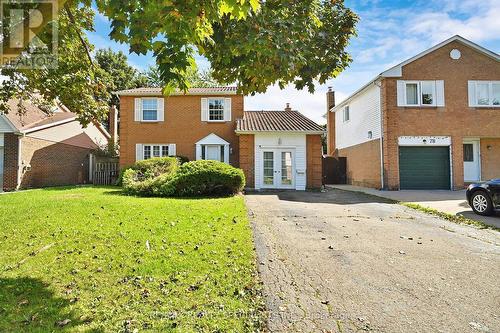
(204, 178)
(144, 176)
(166, 177)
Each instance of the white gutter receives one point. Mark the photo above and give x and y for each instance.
(159, 93)
(286, 132)
(56, 123)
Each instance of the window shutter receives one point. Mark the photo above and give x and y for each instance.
(472, 93)
(227, 109)
(138, 152)
(204, 109)
(439, 93)
(172, 150)
(161, 109)
(401, 92)
(138, 109)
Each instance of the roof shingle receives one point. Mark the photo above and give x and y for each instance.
(226, 90)
(276, 121)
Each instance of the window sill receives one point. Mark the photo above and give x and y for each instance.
(217, 121)
(421, 106)
(150, 121)
(485, 106)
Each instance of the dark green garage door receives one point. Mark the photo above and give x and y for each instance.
(424, 168)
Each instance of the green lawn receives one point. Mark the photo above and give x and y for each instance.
(113, 263)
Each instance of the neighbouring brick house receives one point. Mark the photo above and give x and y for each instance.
(211, 124)
(39, 150)
(431, 122)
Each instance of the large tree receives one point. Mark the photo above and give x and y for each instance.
(120, 75)
(251, 43)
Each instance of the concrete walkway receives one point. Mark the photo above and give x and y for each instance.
(451, 202)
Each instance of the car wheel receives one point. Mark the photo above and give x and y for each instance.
(481, 203)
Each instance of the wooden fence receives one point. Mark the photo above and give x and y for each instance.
(104, 170)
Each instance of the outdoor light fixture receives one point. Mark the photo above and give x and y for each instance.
(489, 147)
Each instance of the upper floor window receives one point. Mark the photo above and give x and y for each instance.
(420, 93)
(216, 109)
(484, 93)
(346, 115)
(149, 109)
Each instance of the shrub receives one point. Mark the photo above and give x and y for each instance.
(142, 177)
(182, 159)
(203, 178)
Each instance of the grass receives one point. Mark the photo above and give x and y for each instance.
(459, 219)
(92, 260)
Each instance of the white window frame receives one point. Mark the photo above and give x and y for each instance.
(346, 111)
(419, 93)
(221, 148)
(490, 94)
(151, 145)
(142, 110)
(223, 110)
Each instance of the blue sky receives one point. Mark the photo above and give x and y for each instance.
(388, 33)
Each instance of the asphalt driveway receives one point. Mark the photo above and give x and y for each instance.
(347, 262)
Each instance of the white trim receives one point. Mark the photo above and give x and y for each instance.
(223, 100)
(212, 139)
(157, 120)
(277, 163)
(472, 91)
(56, 123)
(424, 141)
(283, 132)
(9, 123)
(476, 143)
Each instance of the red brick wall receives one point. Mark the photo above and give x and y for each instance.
(11, 159)
(330, 137)
(363, 164)
(456, 119)
(182, 126)
(314, 161)
(52, 164)
(247, 158)
(490, 158)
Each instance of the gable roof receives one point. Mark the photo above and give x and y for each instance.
(276, 121)
(396, 71)
(34, 117)
(226, 90)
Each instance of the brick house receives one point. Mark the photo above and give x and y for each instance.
(39, 150)
(211, 124)
(431, 122)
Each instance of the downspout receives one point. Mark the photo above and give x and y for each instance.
(378, 84)
(19, 160)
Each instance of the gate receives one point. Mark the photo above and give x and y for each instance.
(104, 170)
(334, 170)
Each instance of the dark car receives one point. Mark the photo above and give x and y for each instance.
(484, 197)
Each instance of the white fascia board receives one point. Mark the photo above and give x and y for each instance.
(281, 132)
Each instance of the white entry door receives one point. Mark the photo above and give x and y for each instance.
(278, 168)
(213, 153)
(1, 169)
(472, 168)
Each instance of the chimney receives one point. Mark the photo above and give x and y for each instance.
(288, 108)
(113, 124)
(330, 122)
(330, 98)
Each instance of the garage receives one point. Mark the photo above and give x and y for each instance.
(424, 167)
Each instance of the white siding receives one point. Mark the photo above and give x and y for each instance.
(4, 125)
(272, 140)
(71, 133)
(364, 116)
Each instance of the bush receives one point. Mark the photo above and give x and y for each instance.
(142, 177)
(203, 178)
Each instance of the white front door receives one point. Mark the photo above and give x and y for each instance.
(213, 153)
(278, 167)
(472, 168)
(1, 169)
